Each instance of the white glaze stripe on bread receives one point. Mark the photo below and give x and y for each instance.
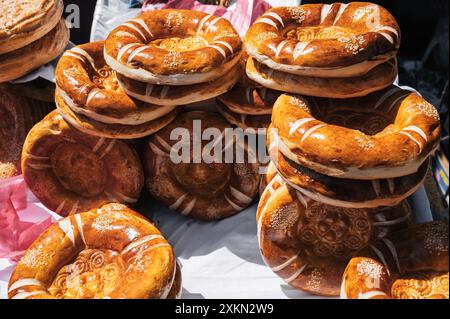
(295, 275)
(275, 16)
(169, 285)
(248, 90)
(385, 96)
(133, 27)
(143, 25)
(157, 150)
(299, 123)
(163, 143)
(302, 199)
(202, 22)
(99, 144)
(326, 8)
(391, 185)
(39, 167)
(240, 196)
(390, 245)
(371, 294)
(392, 222)
(280, 48)
(212, 23)
(85, 54)
(341, 10)
(139, 242)
(124, 50)
(311, 131)
(376, 187)
(25, 283)
(60, 207)
(74, 207)
(108, 149)
(299, 49)
(285, 264)
(219, 49)
(418, 130)
(232, 204)
(149, 89)
(66, 226)
(387, 36)
(178, 202)
(80, 227)
(91, 95)
(70, 54)
(189, 207)
(164, 91)
(394, 103)
(136, 52)
(227, 45)
(122, 197)
(25, 295)
(37, 158)
(267, 21)
(413, 139)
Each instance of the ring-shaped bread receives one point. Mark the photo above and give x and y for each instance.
(308, 244)
(350, 193)
(384, 135)
(17, 63)
(107, 253)
(321, 40)
(71, 172)
(25, 21)
(411, 264)
(180, 95)
(375, 80)
(192, 184)
(174, 47)
(90, 87)
(90, 126)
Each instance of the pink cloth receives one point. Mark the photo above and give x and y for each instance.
(21, 220)
(242, 16)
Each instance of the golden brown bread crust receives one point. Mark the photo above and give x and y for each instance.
(18, 115)
(412, 263)
(375, 80)
(70, 172)
(163, 43)
(249, 123)
(90, 87)
(308, 243)
(17, 63)
(349, 193)
(106, 253)
(384, 135)
(249, 98)
(182, 94)
(320, 39)
(198, 189)
(120, 131)
(25, 21)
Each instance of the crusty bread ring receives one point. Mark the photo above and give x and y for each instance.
(173, 47)
(180, 95)
(309, 244)
(71, 172)
(257, 124)
(17, 63)
(106, 253)
(350, 193)
(195, 188)
(18, 115)
(90, 87)
(25, 21)
(90, 126)
(376, 79)
(384, 135)
(320, 40)
(411, 264)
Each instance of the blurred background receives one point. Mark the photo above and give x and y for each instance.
(423, 61)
